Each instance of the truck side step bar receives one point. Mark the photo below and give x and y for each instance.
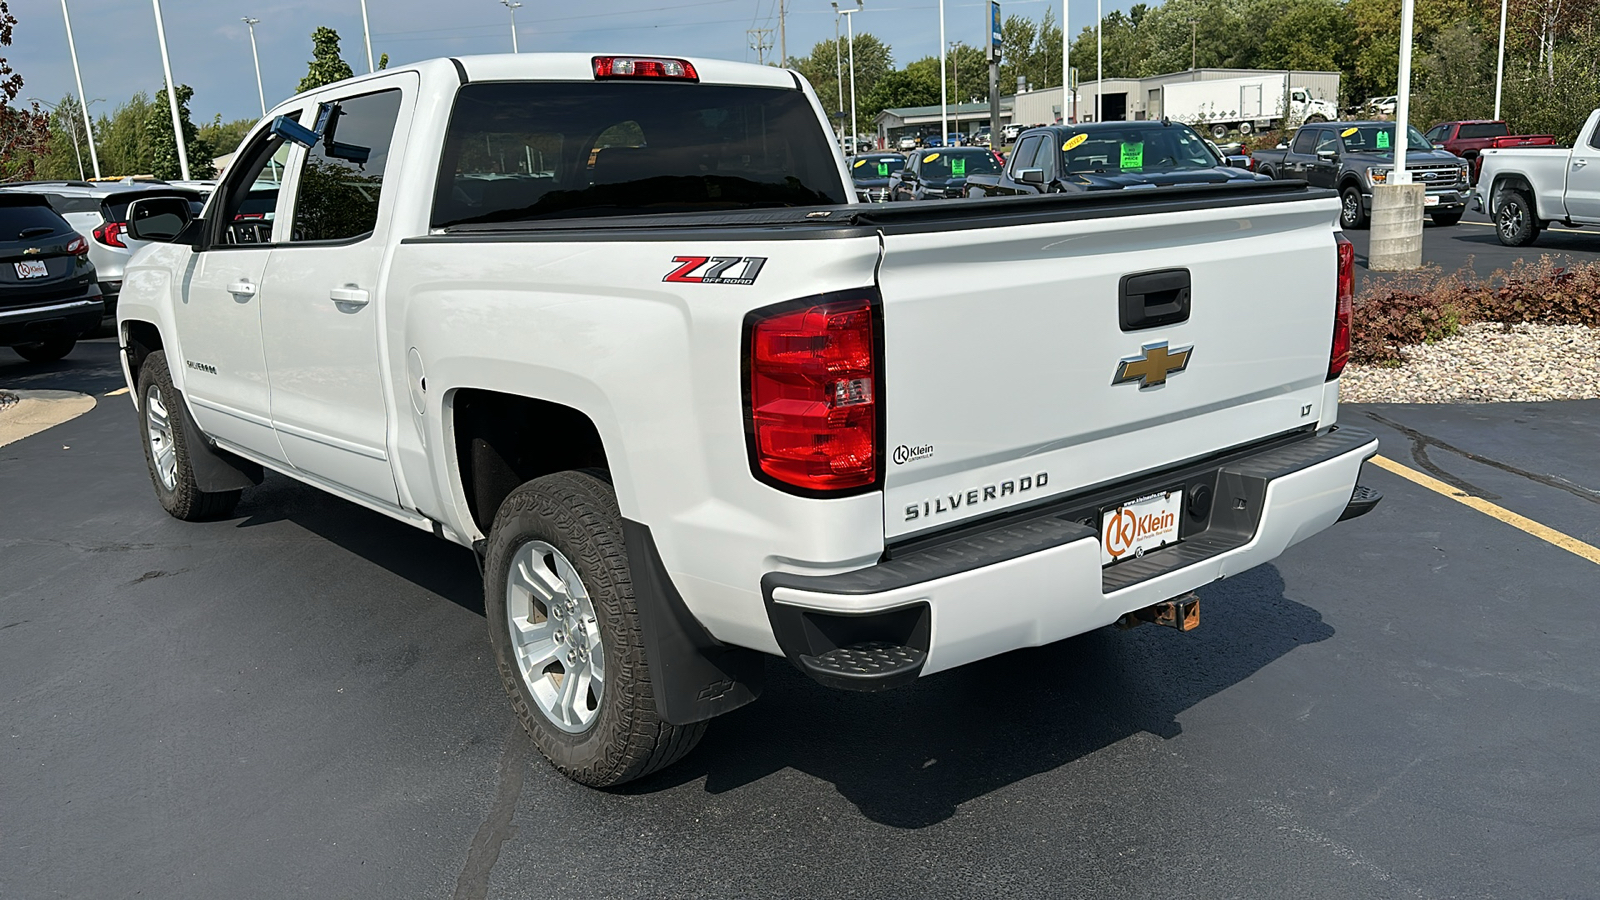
(865, 666)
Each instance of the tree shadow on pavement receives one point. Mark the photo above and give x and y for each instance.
(908, 758)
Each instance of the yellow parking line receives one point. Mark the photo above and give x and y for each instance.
(116, 393)
(1542, 532)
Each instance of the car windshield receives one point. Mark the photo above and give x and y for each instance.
(525, 151)
(876, 167)
(1150, 149)
(1378, 138)
(958, 165)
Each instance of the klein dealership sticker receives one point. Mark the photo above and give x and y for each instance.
(1074, 142)
(717, 269)
(906, 453)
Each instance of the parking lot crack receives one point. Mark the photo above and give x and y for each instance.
(473, 882)
(1419, 452)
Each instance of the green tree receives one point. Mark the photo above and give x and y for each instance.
(164, 148)
(383, 61)
(326, 65)
(873, 61)
(123, 140)
(24, 131)
(67, 155)
(225, 137)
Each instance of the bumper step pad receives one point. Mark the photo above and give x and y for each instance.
(1362, 502)
(867, 666)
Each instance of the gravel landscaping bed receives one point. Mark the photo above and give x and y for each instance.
(1486, 363)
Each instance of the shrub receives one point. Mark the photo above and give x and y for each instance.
(1426, 305)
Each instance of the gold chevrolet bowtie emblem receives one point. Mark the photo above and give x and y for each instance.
(1153, 364)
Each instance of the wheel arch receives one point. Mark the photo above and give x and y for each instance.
(1511, 181)
(139, 339)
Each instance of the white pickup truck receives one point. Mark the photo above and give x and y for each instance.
(616, 324)
(1525, 189)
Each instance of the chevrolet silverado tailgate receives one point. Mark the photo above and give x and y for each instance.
(1004, 333)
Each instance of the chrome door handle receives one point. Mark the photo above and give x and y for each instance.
(242, 287)
(349, 294)
(1579, 162)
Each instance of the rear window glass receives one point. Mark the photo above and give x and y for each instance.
(66, 205)
(1484, 130)
(14, 220)
(530, 151)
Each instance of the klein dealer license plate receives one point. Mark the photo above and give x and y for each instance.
(1140, 526)
(32, 268)
(1430, 201)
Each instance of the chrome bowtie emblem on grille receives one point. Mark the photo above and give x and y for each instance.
(1153, 364)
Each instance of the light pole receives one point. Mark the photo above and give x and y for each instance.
(1066, 60)
(850, 36)
(838, 66)
(1500, 64)
(513, 6)
(944, 94)
(1099, 57)
(72, 48)
(1194, 32)
(172, 93)
(260, 91)
(366, 36)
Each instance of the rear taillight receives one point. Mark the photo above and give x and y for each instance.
(1344, 307)
(813, 394)
(644, 67)
(78, 247)
(110, 234)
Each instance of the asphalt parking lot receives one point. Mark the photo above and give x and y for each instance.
(1471, 244)
(299, 701)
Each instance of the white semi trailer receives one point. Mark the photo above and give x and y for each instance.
(1246, 104)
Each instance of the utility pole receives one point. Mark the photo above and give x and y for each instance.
(1194, 32)
(850, 32)
(1066, 62)
(94, 157)
(760, 40)
(76, 150)
(366, 35)
(944, 94)
(172, 94)
(513, 6)
(994, 69)
(1500, 64)
(260, 91)
(783, 34)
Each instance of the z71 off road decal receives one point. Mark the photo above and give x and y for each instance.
(716, 269)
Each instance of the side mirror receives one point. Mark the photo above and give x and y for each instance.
(1327, 155)
(1282, 146)
(159, 219)
(1239, 162)
(1031, 176)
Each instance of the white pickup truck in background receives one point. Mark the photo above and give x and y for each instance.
(616, 324)
(1526, 189)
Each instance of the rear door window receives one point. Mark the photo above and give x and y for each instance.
(1304, 141)
(1480, 130)
(530, 151)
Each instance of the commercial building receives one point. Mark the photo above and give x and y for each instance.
(1140, 98)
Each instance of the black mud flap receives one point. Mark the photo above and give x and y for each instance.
(215, 469)
(694, 676)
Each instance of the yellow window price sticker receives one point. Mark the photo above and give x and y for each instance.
(860, 163)
(930, 157)
(1348, 131)
(1074, 142)
(1133, 156)
(958, 167)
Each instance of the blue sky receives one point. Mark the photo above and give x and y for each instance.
(210, 46)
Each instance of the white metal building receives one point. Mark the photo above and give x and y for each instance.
(1140, 98)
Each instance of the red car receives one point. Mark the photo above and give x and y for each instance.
(1465, 139)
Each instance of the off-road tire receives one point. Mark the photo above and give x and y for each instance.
(1516, 223)
(185, 500)
(1446, 219)
(1352, 214)
(576, 513)
(46, 351)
